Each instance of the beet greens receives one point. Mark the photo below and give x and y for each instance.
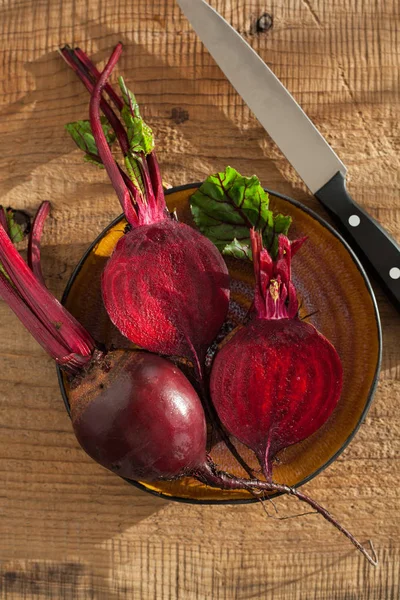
(227, 206)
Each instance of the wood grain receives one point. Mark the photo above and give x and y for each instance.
(68, 529)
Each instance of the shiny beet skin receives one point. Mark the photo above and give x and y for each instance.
(136, 414)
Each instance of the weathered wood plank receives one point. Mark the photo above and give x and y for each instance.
(68, 529)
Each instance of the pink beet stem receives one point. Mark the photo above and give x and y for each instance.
(70, 58)
(30, 320)
(136, 195)
(211, 476)
(35, 240)
(256, 248)
(101, 142)
(149, 169)
(295, 245)
(95, 73)
(144, 172)
(63, 328)
(69, 361)
(156, 180)
(154, 169)
(152, 211)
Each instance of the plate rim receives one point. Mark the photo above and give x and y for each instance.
(356, 260)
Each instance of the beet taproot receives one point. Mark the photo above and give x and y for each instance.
(136, 414)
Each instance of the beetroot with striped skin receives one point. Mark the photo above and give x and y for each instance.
(277, 380)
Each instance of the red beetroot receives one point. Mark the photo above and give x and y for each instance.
(139, 417)
(166, 286)
(165, 289)
(277, 380)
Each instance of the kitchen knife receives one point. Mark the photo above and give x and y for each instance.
(299, 140)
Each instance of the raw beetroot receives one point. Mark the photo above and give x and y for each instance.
(166, 286)
(139, 417)
(277, 380)
(165, 290)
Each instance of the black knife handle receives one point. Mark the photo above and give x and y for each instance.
(376, 249)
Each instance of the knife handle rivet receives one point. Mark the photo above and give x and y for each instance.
(394, 273)
(354, 220)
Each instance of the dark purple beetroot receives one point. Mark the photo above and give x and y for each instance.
(137, 415)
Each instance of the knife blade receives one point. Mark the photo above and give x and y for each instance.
(298, 139)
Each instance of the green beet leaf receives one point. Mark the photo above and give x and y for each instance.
(81, 133)
(15, 230)
(140, 135)
(227, 205)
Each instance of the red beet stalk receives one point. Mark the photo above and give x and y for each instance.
(70, 57)
(95, 73)
(54, 328)
(3, 219)
(34, 261)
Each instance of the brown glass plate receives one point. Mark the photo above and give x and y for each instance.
(332, 287)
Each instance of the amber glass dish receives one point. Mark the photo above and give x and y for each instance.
(332, 287)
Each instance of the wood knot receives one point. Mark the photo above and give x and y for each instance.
(179, 115)
(264, 23)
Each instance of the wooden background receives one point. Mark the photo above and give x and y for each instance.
(69, 529)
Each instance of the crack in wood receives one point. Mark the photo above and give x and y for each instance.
(314, 15)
